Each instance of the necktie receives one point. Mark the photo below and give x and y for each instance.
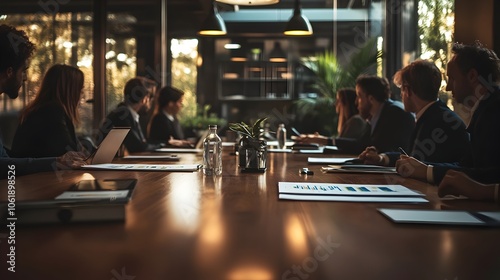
(178, 130)
(138, 127)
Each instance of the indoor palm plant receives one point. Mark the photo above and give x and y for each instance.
(329, 76)
(252, 151)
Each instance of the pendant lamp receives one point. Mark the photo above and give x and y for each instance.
(214, 24)
(249, 2)
(298, 25)
(277, 54)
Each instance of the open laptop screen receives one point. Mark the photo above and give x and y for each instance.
(109, 146)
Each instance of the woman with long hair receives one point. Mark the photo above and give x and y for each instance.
(47, 124)
(350, 123)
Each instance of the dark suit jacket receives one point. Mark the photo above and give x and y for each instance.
(439, 136)
(47, 132)
(135, 140)
(23, 166)
(393, 130)
(484, 130)
(162, 129)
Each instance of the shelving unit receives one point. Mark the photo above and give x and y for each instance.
(255, 80)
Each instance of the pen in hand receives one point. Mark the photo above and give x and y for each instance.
(403, 151)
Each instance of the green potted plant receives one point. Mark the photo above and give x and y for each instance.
(252, 151)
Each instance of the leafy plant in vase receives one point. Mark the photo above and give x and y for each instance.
(252, 151)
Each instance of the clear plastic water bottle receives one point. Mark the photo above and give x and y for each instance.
(281, 135)
(212, 152)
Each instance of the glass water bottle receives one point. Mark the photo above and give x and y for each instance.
(281, 135)
(212, 152)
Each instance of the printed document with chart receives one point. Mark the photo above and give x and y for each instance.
(347, 192)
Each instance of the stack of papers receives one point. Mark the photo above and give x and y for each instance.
(349, 165)
(348, 192)
(359, 168)
(339, 160)
(166, 157)
(86, 201)
(145, 167)
(179, 150)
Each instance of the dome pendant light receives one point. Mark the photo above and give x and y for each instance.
(298, 25)
(249, 2)
(214, 24)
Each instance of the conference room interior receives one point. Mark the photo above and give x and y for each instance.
(185, 225)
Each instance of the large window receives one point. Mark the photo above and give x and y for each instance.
(184, 73)
(64, 38)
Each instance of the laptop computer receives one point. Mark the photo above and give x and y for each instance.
(106, 151)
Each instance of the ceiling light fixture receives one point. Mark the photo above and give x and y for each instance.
(298, 25)
(214, 24)
(277, 54)
(249, 2)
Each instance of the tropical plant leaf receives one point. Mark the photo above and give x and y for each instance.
(330, 76)
(256, 127)
(246, 130)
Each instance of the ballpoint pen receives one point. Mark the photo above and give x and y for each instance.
(403, 151)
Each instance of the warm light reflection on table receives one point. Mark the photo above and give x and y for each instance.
(189, 226)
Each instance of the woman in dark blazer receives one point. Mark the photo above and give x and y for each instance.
(46, 127)
(164, 126)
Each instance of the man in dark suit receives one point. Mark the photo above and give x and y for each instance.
(440, 135)
(391, 126)
(15, 51)
(165, 127)
(136, 96)
(473, 77)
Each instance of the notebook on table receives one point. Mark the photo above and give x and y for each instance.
(85, 201)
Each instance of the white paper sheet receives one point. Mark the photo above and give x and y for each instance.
(179, 150)
(145, 167)
(279, 150)
(340, 160)
(168, 157)
(431, 216)
(351, 169)
(352, 198)
(345, 189)
(93, 194)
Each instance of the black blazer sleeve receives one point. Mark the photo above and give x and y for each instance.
(121, 117)
(393, 129)
(439, 136)
(161, 129)
(47, 132)
(484, 130)
(25, 166)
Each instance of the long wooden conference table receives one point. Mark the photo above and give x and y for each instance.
(183, 225)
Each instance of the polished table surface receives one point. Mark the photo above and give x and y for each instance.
(183, 225)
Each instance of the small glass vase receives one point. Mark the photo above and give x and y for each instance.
(252, 155)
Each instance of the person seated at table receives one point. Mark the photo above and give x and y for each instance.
(440, 135)
(164, 126)
(458, 183)
(47, 124)
(390, 126)
(136, 96)
(473, 78)
(13, 64)
(350, 123)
